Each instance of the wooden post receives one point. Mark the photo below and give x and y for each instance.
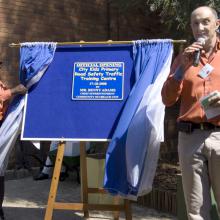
(84, 178)
(54, 182)
(128, 212)
(116, 202)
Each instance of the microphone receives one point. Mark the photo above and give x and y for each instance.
(201, 41)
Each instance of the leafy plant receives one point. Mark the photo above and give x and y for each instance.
(174, 14)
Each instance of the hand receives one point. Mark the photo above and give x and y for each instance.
(186, 57)
(214, 100)
(19, 89)
(2, 85)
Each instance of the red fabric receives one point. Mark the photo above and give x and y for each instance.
(5, 95)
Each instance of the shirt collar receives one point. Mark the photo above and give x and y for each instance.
(217, 47)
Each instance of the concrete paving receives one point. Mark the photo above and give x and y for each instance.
(26, 199)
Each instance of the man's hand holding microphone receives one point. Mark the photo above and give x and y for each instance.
(191, 54)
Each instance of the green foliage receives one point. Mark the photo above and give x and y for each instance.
(174, 14)
(177, 12)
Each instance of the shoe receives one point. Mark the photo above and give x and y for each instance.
(2, 214)
(42, 176)
(63, 176)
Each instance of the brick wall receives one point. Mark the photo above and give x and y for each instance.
(67, 20)
(47, 20)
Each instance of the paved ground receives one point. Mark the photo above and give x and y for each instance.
(26, 199)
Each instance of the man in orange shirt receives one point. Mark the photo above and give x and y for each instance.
(192, 79)
(5, 96)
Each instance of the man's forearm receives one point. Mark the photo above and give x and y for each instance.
(19, 89)
(171, 91)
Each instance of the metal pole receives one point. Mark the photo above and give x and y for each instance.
(96, 42)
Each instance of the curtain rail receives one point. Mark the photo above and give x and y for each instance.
(96, 42)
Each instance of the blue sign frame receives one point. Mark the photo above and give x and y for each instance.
(52, 114)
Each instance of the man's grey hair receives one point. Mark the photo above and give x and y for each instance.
(214, 12)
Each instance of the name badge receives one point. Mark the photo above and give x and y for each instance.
(206, 70)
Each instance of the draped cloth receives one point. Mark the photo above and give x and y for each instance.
(34, 60)
(132, 154)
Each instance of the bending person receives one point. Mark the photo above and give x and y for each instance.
(71, 150)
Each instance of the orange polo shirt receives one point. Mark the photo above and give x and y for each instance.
(5, 95)
(192, 87)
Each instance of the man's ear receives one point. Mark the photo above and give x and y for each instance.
(217, 24)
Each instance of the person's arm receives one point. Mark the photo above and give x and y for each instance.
(6, 94)
(173, 85)
(19, 89)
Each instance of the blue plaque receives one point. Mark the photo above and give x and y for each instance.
(98, 81)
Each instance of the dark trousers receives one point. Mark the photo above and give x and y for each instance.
(2, 190)
(22, 151)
